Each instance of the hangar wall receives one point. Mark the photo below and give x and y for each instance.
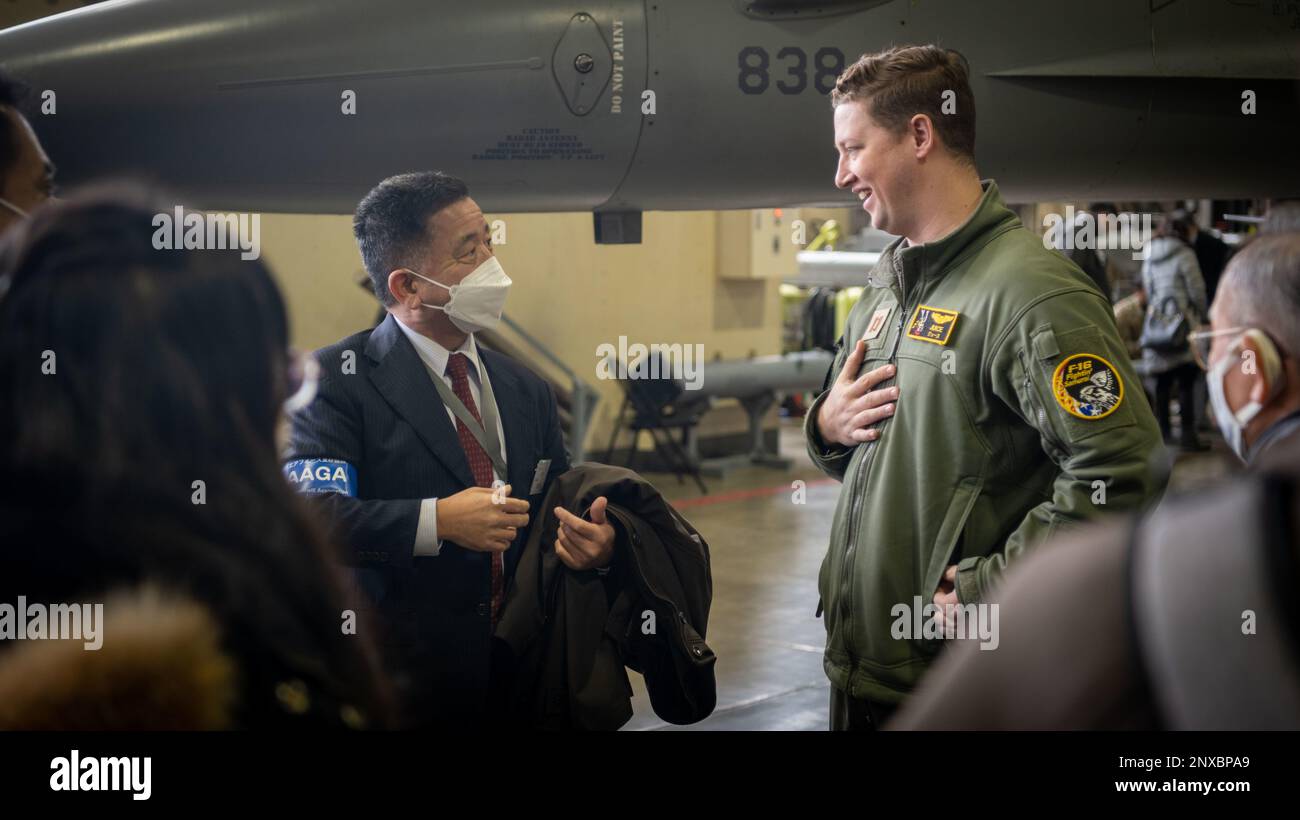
(568, 291)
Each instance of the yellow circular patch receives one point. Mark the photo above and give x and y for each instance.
(1087, 386)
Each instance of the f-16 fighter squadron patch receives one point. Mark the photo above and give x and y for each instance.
(1087, 386)
(932, 324)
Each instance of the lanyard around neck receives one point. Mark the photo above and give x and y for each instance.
(491, 444)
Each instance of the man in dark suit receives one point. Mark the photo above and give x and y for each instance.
(426, 450)
(1211, 254)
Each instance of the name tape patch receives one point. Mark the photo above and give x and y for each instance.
(1087, 386)
(322, 475)
(932, 324)
(877, 323)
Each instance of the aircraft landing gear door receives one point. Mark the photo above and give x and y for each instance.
(582, 64)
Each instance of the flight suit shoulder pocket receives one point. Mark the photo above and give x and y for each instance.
(1084, 380)
(1043, 341)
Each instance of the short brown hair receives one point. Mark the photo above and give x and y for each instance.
(903, 81)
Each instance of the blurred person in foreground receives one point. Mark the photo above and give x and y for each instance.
(26, 172)
(1283, 216)
(140, 394)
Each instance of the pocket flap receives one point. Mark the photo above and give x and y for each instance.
(1045, 346)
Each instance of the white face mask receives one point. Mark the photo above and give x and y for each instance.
(13, 207)
(477, 300)
(1232, 425)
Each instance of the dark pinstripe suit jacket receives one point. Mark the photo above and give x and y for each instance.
(387, 420)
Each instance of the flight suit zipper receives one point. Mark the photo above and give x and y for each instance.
(1040, 413)
(846, 564)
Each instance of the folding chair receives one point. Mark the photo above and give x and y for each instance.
(658, 409)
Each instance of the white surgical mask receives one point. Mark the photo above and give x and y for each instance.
(477, 300)
(13, 207)
(1232, 425)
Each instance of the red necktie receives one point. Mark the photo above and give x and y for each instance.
(479, 462)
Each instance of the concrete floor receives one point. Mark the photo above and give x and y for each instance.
(766, 551)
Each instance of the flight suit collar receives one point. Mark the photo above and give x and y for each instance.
(932, 260)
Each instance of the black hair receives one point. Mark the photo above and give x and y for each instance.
(13, 95)
(127, 374)
(393, 219)
(1178, 224)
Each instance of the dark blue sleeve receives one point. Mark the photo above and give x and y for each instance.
(373, 532)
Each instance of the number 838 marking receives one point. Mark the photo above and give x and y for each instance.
(754, 62)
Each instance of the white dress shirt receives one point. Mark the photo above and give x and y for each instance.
(435, 358)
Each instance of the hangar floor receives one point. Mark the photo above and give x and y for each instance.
(766, 552)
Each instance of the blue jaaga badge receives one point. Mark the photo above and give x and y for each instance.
(322, 475)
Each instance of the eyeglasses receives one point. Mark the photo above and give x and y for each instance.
(303, 376)
(1203, 340)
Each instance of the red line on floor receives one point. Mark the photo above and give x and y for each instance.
(740, 495)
